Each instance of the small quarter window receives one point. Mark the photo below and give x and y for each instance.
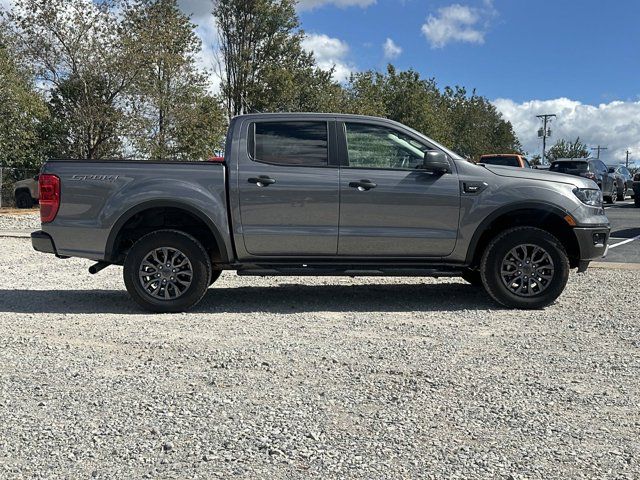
(290, 143)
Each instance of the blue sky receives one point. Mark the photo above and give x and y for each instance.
(586, 50)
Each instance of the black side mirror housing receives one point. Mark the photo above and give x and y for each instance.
(436, 162)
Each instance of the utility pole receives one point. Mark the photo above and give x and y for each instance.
(627, 163)
(597, 149)
(545, 132)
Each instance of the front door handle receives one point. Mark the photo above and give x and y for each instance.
(363, 185)
(262, 181)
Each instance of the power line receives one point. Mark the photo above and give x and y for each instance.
(545, 132)
(598, 148)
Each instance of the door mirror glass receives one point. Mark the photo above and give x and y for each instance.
(436, 162)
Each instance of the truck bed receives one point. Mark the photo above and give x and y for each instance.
(99, 196)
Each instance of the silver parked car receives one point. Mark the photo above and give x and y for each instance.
(590, 168)
(624, 180)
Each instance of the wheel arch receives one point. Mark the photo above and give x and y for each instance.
(113, 246)
(550, 218)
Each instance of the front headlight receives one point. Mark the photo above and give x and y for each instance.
(589, 196)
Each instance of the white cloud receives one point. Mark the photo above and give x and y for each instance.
(391, 49)
(330, 53)
(615, 125)
(457, 23)
(311, 4)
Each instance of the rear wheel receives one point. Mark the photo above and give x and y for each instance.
(167, 271)
(24, 200)
(525, 267)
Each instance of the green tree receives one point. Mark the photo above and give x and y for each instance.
(83, 122)
(567, 149)
(468, 124)
(173, 115)
(22, 111)
(263, 65)
(536, 160)
(475, 127)
(75, 49)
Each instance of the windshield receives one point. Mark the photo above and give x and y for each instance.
(569, 167)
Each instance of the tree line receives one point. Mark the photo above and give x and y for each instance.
(121, 78)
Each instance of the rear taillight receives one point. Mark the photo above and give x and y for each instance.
(589, 175)
(49, 186)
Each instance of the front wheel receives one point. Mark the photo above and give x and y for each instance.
(525, 267)
(167, 271)
(613, 196)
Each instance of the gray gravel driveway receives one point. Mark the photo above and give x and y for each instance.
(314, 378)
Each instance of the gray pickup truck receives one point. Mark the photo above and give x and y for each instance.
(322, 194)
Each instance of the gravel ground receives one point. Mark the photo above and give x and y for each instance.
(314, 378)
(30, 220)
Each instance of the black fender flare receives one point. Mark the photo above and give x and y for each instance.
(110, 255)
(549, 208)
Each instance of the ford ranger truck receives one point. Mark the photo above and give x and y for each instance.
(322, 194)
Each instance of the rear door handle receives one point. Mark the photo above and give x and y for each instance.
(262, 181)
(363, 185)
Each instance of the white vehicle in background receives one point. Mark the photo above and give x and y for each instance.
(25, 192)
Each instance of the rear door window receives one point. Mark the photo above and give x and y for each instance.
(290, 143)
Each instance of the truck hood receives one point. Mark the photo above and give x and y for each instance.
(542, 175)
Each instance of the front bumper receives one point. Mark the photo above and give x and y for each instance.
(593, 243)
(42, 242)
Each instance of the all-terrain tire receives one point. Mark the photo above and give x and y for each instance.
(499, 251)
(155, 298)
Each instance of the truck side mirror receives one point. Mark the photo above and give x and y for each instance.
(436, 162)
